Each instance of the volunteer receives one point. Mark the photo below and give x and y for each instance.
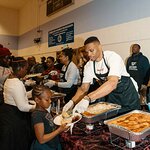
(69, 75)
(116, 84)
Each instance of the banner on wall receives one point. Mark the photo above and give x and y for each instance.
(62, 35)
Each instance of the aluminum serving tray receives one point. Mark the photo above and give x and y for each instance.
(102, 116)
(125, 133)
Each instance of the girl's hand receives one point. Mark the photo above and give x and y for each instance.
(63, 127)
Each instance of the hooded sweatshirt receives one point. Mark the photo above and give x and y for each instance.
(138, 66)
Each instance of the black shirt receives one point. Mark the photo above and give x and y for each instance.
(44, 117)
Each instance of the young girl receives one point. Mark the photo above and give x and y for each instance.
(45, 130)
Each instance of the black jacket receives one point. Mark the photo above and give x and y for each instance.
(138, 66)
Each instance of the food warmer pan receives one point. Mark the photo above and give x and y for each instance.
(127, 133)
(110, 111)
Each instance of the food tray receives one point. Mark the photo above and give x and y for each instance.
(102, 116)
(125, 133)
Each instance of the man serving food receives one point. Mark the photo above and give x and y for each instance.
(116, 85)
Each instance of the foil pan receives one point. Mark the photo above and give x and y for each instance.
(102, 116)
(125, 133)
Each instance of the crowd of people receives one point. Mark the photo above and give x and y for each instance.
(23, 114)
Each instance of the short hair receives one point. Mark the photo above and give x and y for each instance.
(38, 90)
(52, 58)
(91, 40)
(137, 45)
(68, 52)
(43, 58)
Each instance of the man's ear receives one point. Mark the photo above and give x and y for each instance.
(67, 57)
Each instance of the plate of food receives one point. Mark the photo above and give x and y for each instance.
(33, 75)
(67, 118)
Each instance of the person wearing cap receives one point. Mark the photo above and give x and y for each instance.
(5, 69)
(115, 83)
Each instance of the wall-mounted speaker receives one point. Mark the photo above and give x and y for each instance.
(37, 40)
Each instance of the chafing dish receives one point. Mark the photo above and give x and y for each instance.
(126, 133)
(105, 114)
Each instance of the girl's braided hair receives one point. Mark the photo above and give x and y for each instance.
(38, 90)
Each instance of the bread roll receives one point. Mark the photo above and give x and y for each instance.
(66, 120)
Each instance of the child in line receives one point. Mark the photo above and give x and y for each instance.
(45, 130)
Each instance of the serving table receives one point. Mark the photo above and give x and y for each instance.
(97, 139)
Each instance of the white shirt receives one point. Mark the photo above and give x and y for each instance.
(113, 61)
(15, 94)
(71, 76)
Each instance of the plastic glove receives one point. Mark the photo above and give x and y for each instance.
(68, 106)
(50, 83)
(81, 106)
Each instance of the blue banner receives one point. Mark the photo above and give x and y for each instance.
(62, 35)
